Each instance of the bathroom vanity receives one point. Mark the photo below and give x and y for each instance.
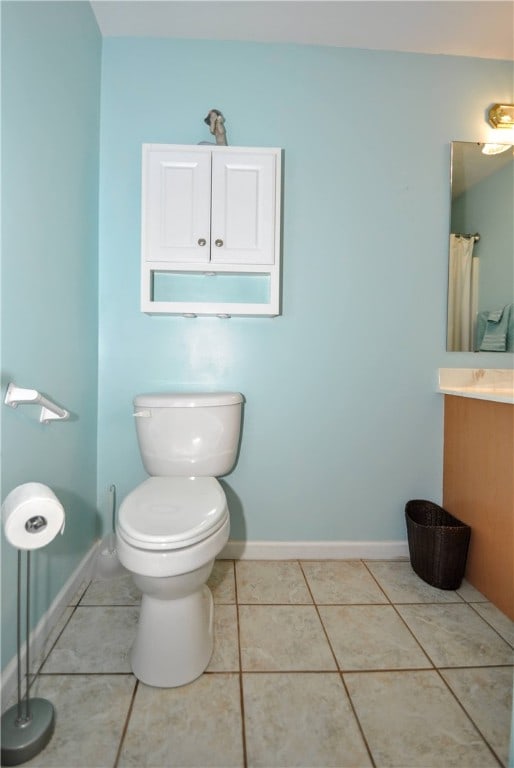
(478, 480)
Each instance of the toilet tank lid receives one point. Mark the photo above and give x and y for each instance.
(187, 399)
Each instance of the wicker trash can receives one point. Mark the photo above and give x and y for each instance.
(438, 544)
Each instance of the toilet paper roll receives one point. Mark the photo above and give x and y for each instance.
(32, 516)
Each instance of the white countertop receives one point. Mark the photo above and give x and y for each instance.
(496, 384)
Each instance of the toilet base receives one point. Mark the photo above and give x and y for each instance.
(174, 639)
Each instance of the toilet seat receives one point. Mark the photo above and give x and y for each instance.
(166, 513)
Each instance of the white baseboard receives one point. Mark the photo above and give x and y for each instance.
(47, 622)
(314, 550)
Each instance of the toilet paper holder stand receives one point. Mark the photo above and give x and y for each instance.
(28, 725)
(50, 411)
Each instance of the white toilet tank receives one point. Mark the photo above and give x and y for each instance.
(188, 434)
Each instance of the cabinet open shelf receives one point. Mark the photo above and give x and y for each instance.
(191, 289)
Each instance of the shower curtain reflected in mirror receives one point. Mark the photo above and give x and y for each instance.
(462, 294)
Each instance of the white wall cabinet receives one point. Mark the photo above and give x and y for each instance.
(210, 230)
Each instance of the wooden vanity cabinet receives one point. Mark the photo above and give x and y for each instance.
(478, 488)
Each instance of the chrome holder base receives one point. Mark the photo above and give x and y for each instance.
(23, 738)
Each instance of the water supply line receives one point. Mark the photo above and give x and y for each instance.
(107, 561)
(112, 491)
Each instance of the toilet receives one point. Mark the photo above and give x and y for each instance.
(173, 525)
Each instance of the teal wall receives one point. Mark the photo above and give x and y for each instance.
(342, 423)
(51, 56)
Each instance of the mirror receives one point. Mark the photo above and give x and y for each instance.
(481, 252)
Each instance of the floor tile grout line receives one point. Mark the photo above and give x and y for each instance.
(75, 605)
(319, 602)
(324, 671)
(458, 598)
(435, 667)
(332, 671)
(461, 601)
(447, 686)
(447, 667)
(109, 605)
(375, 579)
(303, 605)
(392, 604)
(413, 635)
(241, 683)
(323, 604)
(339, 672)
(126, 723)
(422, 605)
(427, 602)
(357, 719)
(39, 670)
(468, 715)
(472, 606)
(321, 621)
(306, 581)
(126, 673)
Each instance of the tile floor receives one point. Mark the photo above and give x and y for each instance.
(330, 663)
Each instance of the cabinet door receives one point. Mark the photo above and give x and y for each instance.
(176, 206)
(243, 208)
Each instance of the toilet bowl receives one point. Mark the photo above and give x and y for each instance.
(171, 528)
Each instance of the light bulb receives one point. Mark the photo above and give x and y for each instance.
(495, 149)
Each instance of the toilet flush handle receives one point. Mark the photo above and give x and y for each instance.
(142, 414)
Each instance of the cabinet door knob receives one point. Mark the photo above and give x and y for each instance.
(202, 241)
(218, 243)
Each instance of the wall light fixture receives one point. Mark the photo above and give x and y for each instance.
(501, 116)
